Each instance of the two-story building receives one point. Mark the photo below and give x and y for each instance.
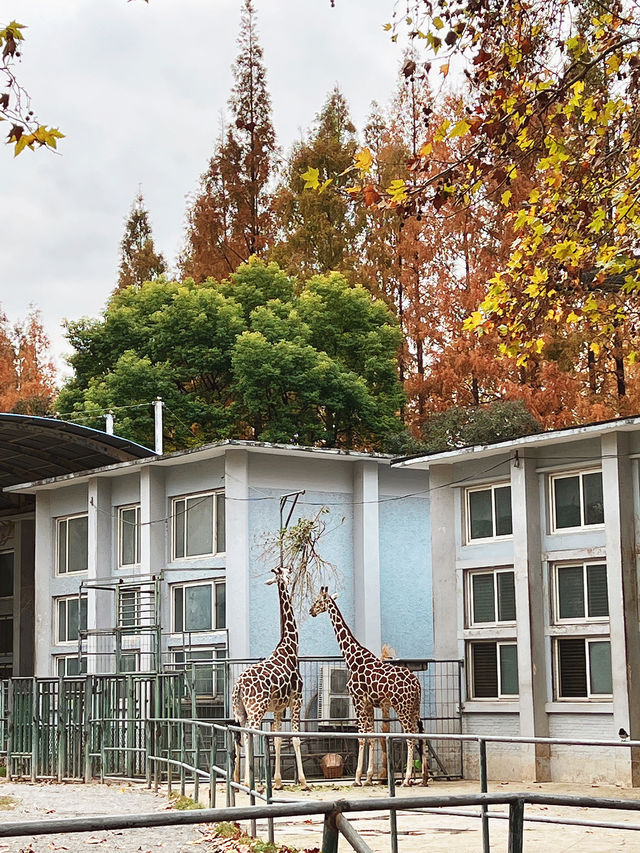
(535, 585)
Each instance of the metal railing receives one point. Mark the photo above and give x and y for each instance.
(333, 812)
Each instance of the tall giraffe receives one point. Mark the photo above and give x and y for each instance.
(374, 683)
(273, 684)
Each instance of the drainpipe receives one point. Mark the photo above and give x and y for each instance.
(157, 419)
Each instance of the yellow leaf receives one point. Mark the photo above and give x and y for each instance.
(594, 346)
(325, 185)
(311, 178)
(397, 190)
(426, 149)
(539, 345)
(444, 69)
(572, 317)
(363, 160)
(460, 129)
(506, 197)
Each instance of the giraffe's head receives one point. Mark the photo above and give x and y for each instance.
(279, 573)
(321, 604)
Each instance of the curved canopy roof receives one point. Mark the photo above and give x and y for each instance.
(34, 448)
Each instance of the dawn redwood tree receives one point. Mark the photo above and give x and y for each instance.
(259, 355)
(231, 218)
(320, 232)
(27, 373)
(139, 261)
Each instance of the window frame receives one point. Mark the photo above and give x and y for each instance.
(216, 494)
(136, 594)
(59, 658)
(498, 643)
(64, 519)
(469, 613)
(67, 598)
(490, 487)
(137, 541)
(589, 696)
(580, 474)
(214, 584)
(556, 619)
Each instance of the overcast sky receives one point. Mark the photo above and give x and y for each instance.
(138, 90)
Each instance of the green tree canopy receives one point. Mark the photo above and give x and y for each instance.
(258, 356)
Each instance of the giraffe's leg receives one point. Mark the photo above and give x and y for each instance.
(386, 710)
(277, 727)
(296, 704)
(409, 724)
(365, 724)
(372, 745)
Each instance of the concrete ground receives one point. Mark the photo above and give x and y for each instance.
(417, 831)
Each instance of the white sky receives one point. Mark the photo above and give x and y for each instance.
(138, 90)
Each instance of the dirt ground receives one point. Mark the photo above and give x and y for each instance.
(418, 832)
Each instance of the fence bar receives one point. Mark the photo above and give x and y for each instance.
(252, 782)
(268, 788)
(213, 775)
(355, 840)
(516, 825)
(484, 787)
(231, 794)
(195, 738)
(330, 836)
(391, 778)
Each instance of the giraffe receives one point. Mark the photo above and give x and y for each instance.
(273, 684)
(374, 683)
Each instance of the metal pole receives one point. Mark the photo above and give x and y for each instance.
(391, 779)
(516, 826)
(231, 798)
(157, 745)
(35, 731)
(212, 773)
(356, 842)
(252, 781)
(330, 834)
(484, 787)
(195, 737)
(183, 760)
(157, 424)
(268, 785)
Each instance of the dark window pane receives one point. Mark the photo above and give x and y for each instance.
(62, 621)
(6, 635)
(485, 670)
(62, 547)
(78, 549)
(572, 675)
(483, 598)
(597, 590)
(506, 597)
(178, 600)
(199, 526)
(197, 600)
(129, 533)
(129, 662)
(504, 525)
(339, 680)
(178, 526)
(221, 536)
(600, 667)
(72, 616)
(593, 498)
(83, 614)
(567, 500)
(570, 592)
(509, 670)
(480, 513)
(6, 574)
(221, 605)
(338, 708)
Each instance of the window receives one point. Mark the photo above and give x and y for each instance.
(577, 500)
(129, 536)
(491, 597)
(199, 607)
(199, 525)
(70, 665)
(72, 544)
(582, 663)
(492, 658)
(204, 666)
(71, 618)
(489, 512)
(6, 635)
(6, 574)
(128, 615)
(129, 662)
(493, 670)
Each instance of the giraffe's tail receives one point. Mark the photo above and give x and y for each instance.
(240, 716)
(419, 743)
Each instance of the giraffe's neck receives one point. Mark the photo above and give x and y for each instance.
(288, 627)
(351, 649)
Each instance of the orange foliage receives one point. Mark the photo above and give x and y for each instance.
(27, 374)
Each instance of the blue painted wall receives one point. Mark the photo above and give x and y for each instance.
(405, 576)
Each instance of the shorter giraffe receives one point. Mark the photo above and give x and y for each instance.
(273, 684)
(374, 683)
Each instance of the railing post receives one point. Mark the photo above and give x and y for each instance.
(267, 784)
(195, 737)
(484, 787)
(516, 825)
(330, 833)
(147, 752)
(252, 781)
(35, 731)
(86, 726)
(212, 773)
(231, 797)
(11, 721)
(157, 745)
(183, 759)
(391, 780)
